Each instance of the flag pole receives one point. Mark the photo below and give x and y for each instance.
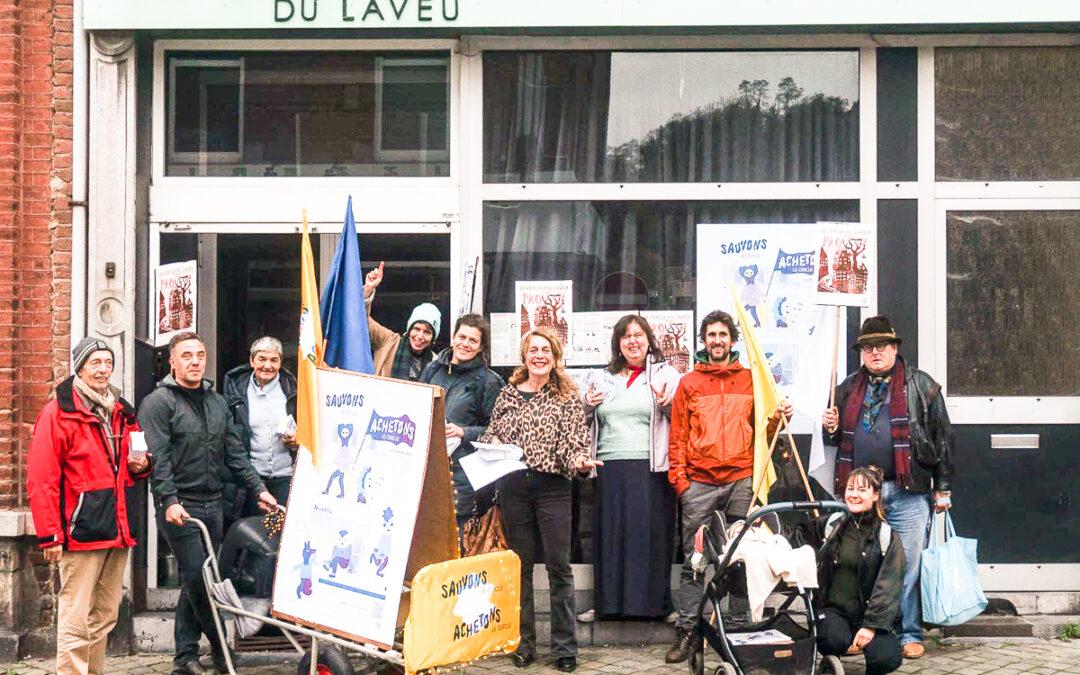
(782, 425)
(835, 361)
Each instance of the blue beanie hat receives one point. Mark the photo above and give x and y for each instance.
(429, 314)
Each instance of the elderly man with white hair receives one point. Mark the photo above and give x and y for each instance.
(262, 396)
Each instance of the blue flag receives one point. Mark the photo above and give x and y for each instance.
(344, 319)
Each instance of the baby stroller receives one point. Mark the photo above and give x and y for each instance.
(795, 651)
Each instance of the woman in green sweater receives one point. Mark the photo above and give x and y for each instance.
(629, 403)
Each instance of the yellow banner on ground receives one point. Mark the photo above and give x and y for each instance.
(766, 398)
(462, 610)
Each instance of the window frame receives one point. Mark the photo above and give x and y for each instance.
(381, 63)
(201, 157)
(936, 199)
(204, 51)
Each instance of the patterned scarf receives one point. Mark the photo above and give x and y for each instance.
(407, 365)
(875, 398)
(866, 398)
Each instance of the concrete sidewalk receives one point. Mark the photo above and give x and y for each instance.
(1041, 657)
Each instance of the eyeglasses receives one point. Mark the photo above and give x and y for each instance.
(866, 349)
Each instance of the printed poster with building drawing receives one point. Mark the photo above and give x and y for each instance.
(349, 525)
(674, 331)
(845, 261)
(546, 304)
(772, 267)
(177, 303)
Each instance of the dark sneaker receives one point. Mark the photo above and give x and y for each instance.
(680, 649)
(522, 659)
(566, 664)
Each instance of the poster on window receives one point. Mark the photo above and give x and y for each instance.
(844, 264)
(505, 338)
(349, 527)
(546, 304)
(592, 338)
(772, 268)
(674, 331)
(177, 302)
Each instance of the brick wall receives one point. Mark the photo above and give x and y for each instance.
(35, 220)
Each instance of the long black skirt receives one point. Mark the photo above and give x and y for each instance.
(632, 555)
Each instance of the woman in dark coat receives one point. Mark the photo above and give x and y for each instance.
(471, 389)
(860, 576)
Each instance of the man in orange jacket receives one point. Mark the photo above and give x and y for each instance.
(711, 454)
(81, 463)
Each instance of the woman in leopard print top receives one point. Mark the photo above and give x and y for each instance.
(540, 411)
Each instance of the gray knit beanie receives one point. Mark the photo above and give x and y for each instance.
(87, 346)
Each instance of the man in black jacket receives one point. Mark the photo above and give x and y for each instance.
(190, 434)
(262, 397)
(893, 416)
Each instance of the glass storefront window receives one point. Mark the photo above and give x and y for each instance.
(309, 114)
(671, 117)
(620, 255)
(1013, 294)
(1007, 113)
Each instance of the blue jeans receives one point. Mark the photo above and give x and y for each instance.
(908, 514)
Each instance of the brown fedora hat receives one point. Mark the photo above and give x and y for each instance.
(875, 330)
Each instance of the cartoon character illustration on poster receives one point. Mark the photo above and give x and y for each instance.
(342, 460)
(380, 556)
(362, 484)
(341, 554)
(305, 571)
(775, 367)
(752, 295)
(779, 312)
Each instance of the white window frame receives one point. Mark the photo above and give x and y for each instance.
(936, 199)
(279, 199)
(989, 409)
(381, 64)
(201, 156)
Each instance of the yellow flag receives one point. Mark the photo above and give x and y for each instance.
(766, 398)
(462, 610)
(311, 340)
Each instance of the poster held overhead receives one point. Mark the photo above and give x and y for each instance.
(845, 264)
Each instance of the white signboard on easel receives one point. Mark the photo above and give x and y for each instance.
(347, 537)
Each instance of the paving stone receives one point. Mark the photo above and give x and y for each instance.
(1051, 657)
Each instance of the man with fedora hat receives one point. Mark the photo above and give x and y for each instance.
(892, 415)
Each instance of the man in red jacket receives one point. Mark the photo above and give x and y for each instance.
(711, 454)
(79, 467)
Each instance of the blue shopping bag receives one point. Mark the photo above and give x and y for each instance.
(951, 593)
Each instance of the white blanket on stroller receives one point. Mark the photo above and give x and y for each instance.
(769, 559)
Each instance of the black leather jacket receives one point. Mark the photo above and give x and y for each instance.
(931, 431)
(881, 577)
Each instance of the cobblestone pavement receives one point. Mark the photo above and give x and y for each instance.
(1041, 657)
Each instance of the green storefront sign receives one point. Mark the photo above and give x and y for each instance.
(622, 15)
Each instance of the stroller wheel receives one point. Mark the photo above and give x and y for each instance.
(725, 668)
(831, 665)
(332, 661)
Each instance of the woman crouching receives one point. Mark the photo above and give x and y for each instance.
(540, 412)
(860, 574)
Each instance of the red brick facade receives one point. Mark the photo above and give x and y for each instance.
(35, 220)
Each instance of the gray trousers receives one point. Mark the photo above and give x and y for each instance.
(698, 503)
